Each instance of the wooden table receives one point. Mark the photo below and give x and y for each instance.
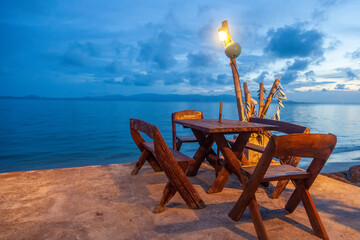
(209, 131)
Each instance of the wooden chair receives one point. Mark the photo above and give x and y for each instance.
(316, 146)
(172, 162)
(186, 114)
(284, 127)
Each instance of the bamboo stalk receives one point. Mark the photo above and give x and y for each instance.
(247, 100)
(261, 98)
(220, 112)
(237, 89)
(269, 98)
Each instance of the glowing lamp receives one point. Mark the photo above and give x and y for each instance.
(223, 32)
(232, 49)
(223, 36)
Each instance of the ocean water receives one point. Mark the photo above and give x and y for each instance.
(45, 134)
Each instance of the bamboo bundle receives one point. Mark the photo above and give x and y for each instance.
(261, 98)
(248, 104)
(269, 98)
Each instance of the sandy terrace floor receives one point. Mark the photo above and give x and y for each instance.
(105, 202)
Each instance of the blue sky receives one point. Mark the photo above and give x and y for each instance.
(93, 48)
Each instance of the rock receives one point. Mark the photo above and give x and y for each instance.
(340, 176)
(353, 174)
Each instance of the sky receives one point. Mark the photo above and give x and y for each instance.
(95, 48)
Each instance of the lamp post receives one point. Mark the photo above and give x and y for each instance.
(232, 51)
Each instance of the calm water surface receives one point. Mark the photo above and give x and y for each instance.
(43, 134)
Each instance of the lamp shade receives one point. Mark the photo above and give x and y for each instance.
(233, 50)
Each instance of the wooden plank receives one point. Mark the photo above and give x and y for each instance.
(178, 155)
(227, 126)
(187, 138)
(280, 172)
(284, 127)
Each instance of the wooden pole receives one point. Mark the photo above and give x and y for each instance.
(269, 98)
(220, 112)
(261, 98)
(237, 89)
(247, 100)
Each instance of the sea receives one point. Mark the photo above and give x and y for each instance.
(45, 134)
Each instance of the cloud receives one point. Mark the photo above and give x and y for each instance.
(350, 75)
(292, 70)
(114, 67)
(310, 76)
(149, 78)
(223, 79)
(340, 86)
(289, 76)
(200, 59)
(295, 41)
(356, 54)
(197, 78)
(78, 54)
(158, 51)
(299, 65)
(261, 77)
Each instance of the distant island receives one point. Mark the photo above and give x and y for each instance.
(144, 97)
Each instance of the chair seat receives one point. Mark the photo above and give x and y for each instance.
(177, 155)
(186, 138)
(251, 146)
(280, 172)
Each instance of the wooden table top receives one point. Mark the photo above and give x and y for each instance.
(226, 126)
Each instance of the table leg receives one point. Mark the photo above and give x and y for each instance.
(232, 163)
(239, 146)
(220, 181)
(206, 143)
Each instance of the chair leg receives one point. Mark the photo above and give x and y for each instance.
(178, 145)
(239, 209)
(293, 201)
(144, 155)
(280, 187)
(169, 192)
(311, 211)
(257, 220)
(154, 163)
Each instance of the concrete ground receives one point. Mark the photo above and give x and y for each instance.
(106, 202)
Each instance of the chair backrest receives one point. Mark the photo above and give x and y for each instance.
(186, 114)
(316, 146)
(284, 127)
(152, 132)
(165, 158)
